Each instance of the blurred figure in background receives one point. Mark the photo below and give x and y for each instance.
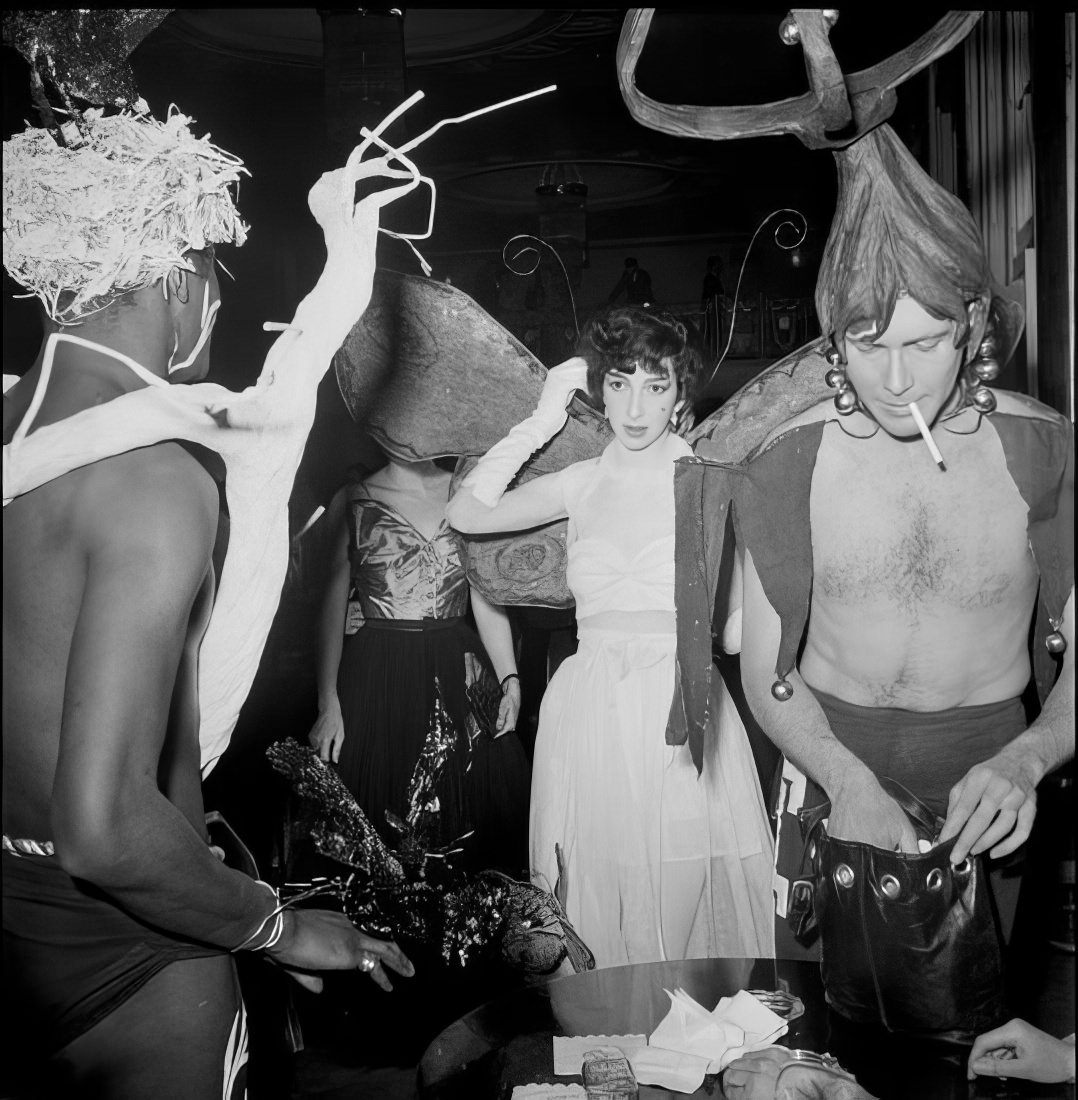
(634, 285)
(713, 307)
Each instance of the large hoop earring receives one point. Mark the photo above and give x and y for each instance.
(846, 399)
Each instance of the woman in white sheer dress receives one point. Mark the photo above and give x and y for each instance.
(655, 860)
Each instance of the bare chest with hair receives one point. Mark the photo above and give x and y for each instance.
(890, 529)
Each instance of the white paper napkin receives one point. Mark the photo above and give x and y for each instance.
(669, 1069)
(736, 1026)
(760, 1025)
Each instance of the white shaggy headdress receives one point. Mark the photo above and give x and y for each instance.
(85, 225)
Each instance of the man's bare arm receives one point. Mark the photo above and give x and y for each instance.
(146, 524)
(146, 527)
(860, 810)
(991, 809)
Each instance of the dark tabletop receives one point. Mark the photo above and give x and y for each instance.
(507, 1041)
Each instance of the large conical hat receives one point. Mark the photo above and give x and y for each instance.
(889, 214)
(429, 373)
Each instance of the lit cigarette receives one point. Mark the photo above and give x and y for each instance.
(926, 435)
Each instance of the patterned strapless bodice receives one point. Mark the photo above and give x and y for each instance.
(621, 537)
(397, 572)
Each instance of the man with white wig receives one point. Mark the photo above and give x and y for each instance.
(120, 641)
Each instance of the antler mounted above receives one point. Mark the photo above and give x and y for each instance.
(836, 111)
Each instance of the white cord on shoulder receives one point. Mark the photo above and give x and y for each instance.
(46, 373)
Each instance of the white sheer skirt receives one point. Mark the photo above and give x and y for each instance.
(657, 862)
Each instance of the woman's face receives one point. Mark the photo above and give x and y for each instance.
(639, 406)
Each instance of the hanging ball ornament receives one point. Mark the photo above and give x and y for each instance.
(988, 346)
(782, 690)
(836, 378)
(1055, 643)
(846, 402)
(985, 369)
(789, 31)
(833, 356)
(984, 400)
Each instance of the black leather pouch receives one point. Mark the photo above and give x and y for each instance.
(907, 941)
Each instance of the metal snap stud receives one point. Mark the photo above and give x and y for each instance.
(934, 879)
(844, 875)
(891, 887)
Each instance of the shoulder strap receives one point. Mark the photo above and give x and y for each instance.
(356, 504)
(577, 479)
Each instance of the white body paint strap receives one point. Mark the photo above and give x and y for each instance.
(235, 1057)
(11, 450)
(209, 314)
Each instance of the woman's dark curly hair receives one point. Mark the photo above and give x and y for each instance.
(623, 338)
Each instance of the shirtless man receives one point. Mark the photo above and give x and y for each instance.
(118, 918)
(889, 598)
(924, 579)
(923, 590)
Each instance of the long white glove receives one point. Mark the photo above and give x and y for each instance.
(492, 474)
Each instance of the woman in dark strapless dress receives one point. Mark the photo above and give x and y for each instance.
(395, 622)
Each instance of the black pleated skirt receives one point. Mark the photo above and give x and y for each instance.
(386, 689)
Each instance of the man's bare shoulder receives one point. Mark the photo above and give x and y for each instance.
(159, 499)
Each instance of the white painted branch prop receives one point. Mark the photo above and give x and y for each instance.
(260, 433)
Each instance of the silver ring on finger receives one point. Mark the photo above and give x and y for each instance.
(367, 963)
